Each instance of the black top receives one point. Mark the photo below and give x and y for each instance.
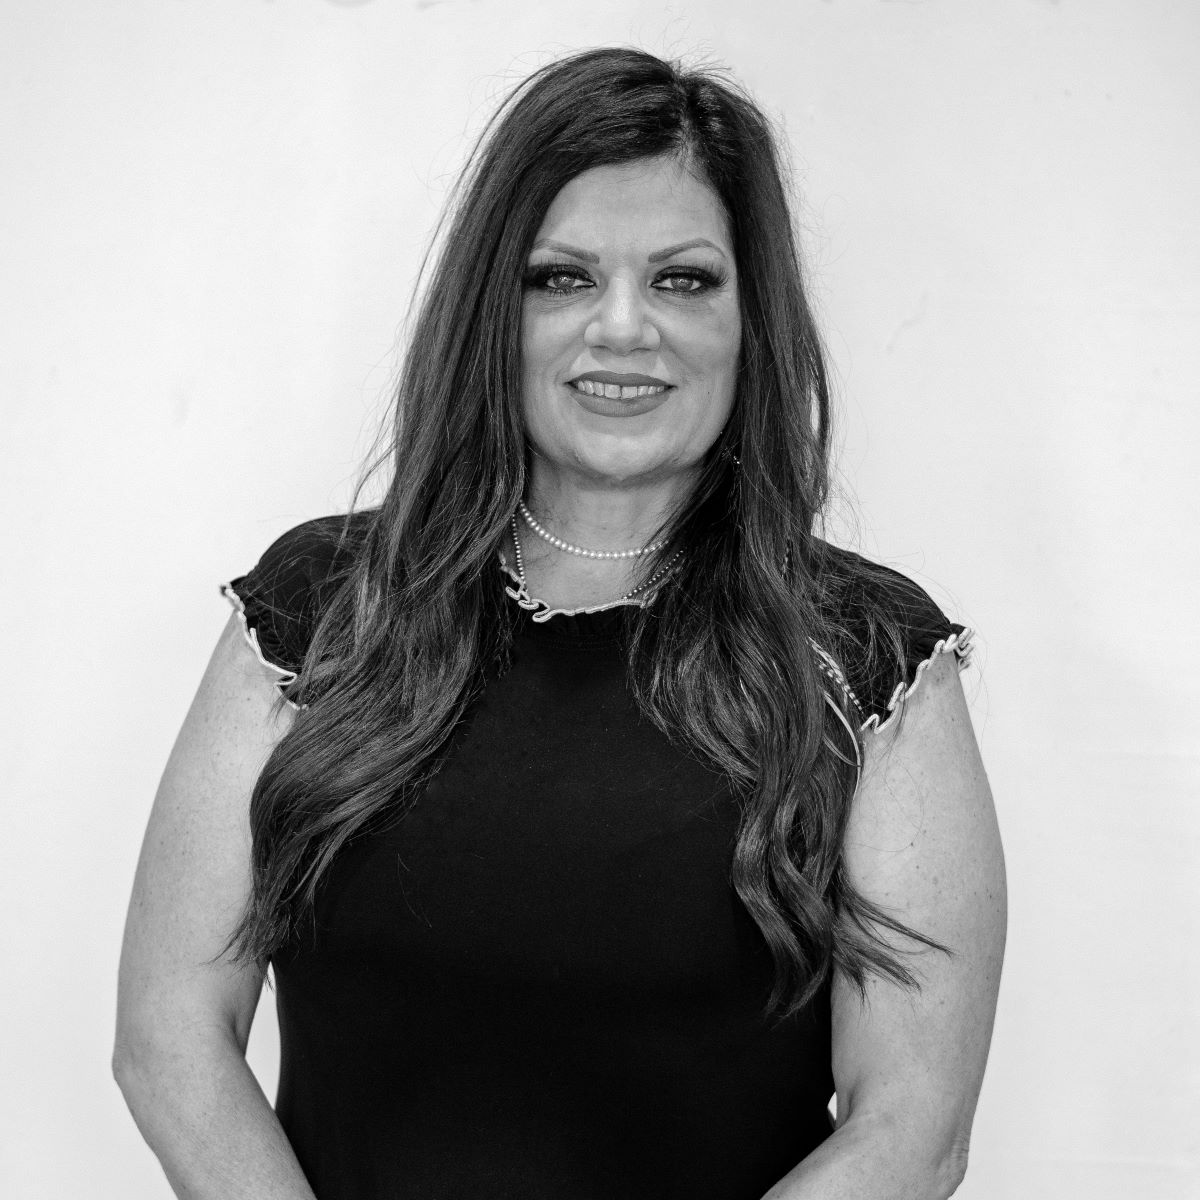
(539, 983)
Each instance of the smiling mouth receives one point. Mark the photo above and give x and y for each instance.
(614, 391)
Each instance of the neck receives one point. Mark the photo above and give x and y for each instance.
(601, 515)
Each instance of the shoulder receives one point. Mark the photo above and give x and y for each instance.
(883, 632)
(282, 597)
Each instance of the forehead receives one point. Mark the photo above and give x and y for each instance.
(630, 207)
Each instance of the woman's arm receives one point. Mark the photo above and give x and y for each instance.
(183, 1010)
(908, 1064)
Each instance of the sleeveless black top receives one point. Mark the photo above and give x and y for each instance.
(539, 983)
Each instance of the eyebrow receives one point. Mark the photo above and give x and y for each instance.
(657, 256)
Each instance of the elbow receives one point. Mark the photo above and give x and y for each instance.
(136, 1085)
(147, 1059)
(124, 1056)
(151, 1057)
(950, 1170)
(131, 1068)
(120, 1066)
(922, 1163)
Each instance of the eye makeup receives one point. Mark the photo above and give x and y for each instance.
(539, 275)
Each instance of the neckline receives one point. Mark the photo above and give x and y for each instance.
(541, 612)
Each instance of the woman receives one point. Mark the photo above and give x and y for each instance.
(589, 849)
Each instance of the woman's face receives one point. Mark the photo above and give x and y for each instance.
(630, 324)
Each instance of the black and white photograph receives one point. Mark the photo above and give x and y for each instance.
(600, 600)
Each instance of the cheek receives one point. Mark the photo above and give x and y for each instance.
(544, 342)
(533, 356)
(714, 333)
(529, 345)
(537, 406)
(717, 356)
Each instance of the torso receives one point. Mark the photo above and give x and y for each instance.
(539, 983)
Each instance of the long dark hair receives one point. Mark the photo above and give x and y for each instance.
(722, 661)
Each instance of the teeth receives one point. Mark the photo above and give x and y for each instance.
(613, 391)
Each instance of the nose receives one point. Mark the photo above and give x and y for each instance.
(621, 321)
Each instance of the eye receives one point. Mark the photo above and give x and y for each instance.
(559, 279)
(566, 279)
(688, 281)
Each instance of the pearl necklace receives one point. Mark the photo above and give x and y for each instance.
(641, 587)
(547, 536)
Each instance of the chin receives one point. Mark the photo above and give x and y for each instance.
(634, 466)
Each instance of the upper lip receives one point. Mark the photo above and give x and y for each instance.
(622, 378)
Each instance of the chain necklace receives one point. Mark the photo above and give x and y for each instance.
(641, 587)
(557, 542)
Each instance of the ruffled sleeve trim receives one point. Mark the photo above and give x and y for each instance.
(285, 676)
(960, 644)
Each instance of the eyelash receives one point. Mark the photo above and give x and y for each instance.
(540, 276)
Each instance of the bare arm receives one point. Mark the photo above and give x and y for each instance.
(183, 1019)
(908, 1064)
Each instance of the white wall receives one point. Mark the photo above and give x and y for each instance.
(211, 219)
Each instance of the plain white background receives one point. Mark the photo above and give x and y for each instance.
(210, 226)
